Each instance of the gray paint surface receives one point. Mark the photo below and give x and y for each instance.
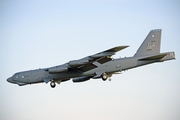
(99, 65)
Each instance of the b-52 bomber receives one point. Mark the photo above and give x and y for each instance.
(99, 65)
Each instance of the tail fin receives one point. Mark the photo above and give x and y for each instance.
(151, 44)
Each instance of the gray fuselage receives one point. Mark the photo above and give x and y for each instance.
(38, 75)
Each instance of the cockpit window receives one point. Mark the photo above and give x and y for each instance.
(16, 75)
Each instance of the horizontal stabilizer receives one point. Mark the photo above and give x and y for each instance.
(154, 57)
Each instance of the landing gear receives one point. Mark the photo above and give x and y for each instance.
(104, 76)
(53, 84)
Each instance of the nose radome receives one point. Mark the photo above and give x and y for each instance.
(9, 79)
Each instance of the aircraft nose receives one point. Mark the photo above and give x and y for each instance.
(9, 79)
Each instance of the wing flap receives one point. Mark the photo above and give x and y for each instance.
(104, 60)
(86, 67)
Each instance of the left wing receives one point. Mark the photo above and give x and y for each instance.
(86, 63)
(101, 58)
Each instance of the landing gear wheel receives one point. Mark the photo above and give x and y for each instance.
(53, 84)
(104, 77)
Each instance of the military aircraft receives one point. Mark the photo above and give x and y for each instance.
(100, 65)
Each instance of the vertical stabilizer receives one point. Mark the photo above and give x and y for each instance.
(151, 44)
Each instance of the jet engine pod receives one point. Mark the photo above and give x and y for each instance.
(77, 62)
(81, 79)
(55, 70)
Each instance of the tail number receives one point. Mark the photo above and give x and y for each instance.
(150, 46)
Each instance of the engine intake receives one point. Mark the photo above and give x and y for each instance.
(77, 62)
(57, 70)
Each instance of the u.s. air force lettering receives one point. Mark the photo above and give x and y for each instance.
(150, 46)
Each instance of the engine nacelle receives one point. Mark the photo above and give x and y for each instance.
(81, 79)
(77, 62)
(55, 70)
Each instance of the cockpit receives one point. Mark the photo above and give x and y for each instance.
(15, 76)
(16, 79)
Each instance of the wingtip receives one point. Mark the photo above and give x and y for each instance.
(121, 47)
(124, 46)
